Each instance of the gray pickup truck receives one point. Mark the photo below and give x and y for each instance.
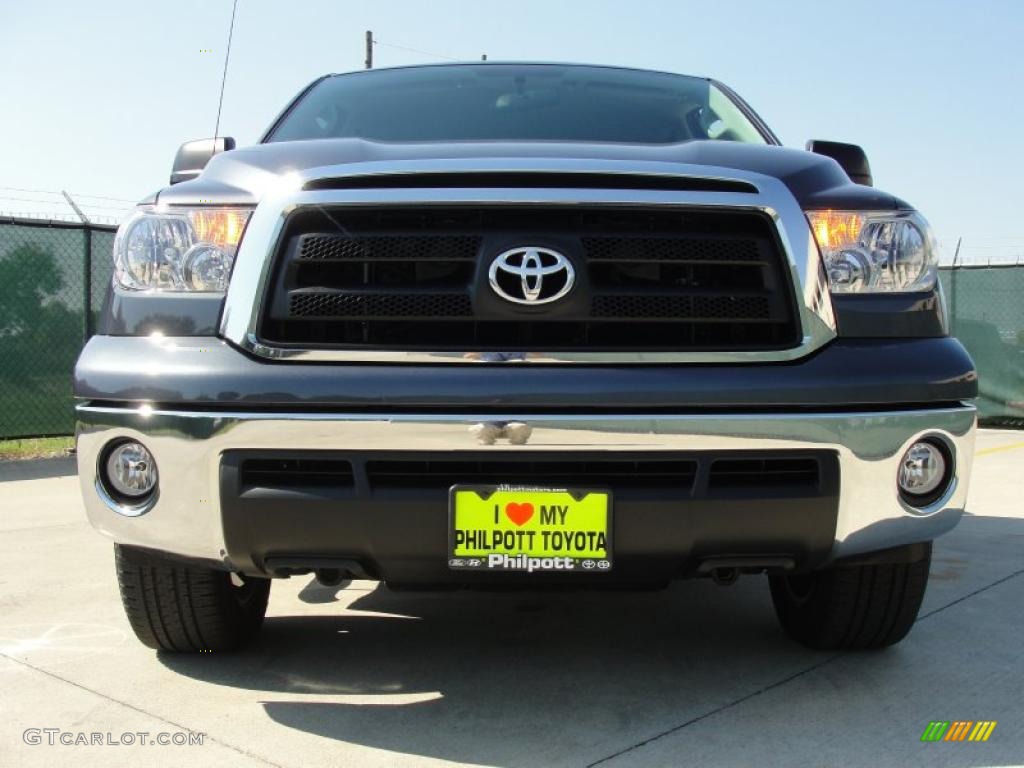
(528, 326)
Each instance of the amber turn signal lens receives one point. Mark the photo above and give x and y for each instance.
(836, 229)
(219, 226)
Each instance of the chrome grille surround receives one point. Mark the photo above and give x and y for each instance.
(285, 195)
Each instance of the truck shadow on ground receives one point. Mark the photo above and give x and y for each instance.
(525, 679)
(511, 678)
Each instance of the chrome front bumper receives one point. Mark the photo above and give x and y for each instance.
(185, 517)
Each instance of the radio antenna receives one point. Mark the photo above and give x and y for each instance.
(224, 77)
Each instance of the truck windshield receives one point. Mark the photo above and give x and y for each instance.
(495, 102)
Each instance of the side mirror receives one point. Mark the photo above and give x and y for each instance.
(849, 156)
(193, 156)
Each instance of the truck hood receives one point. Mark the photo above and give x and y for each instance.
(243, 176)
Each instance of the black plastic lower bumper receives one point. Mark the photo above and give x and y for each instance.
(384, 514)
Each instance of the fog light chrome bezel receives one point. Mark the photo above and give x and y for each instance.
(124, 504)
(924, 502)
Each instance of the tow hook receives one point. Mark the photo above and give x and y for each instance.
(329, 577)
(723, 577)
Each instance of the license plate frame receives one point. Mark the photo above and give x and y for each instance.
(507, 504)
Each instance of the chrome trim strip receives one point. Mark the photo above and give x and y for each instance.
(187, 445)
(284, 195)
(128, 510)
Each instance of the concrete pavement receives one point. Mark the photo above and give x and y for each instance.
(695, 675)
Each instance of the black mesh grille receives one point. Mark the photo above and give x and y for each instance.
(334, 305)
(411, 248)
(677, 249)
(417, 279)
(704, 308)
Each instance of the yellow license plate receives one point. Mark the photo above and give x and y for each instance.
(512, 528)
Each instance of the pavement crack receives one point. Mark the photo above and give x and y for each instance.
(716, 710)
(785, 680)
(969, 595)
(134, 708)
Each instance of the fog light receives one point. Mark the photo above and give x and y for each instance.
(924, 472)
(130, 471)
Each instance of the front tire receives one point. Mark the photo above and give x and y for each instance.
(852, 607)
(182, 608)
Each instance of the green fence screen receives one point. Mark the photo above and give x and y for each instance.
(53, 280)
(54, 277)
(986, 308)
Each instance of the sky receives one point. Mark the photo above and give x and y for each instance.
(96, 97)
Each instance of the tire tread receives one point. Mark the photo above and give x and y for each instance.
(854, 607)
(176, 607)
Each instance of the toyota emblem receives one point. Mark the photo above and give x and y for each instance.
(531, 275)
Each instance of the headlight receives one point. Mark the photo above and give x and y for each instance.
(178, 249)
(875, 251)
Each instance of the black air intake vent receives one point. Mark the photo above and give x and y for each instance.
(540, 471)
(430, 474)
(764, 473)
(297, 473)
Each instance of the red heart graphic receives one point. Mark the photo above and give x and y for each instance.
(519, 513)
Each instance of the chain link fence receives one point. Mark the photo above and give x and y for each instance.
(53, 280)
(54, 277)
